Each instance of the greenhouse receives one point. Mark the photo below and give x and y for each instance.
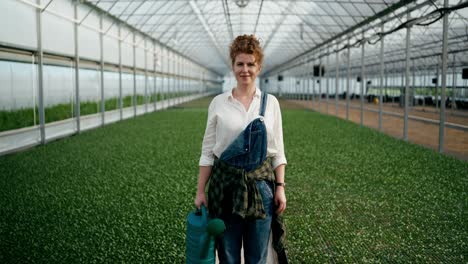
(103, 118)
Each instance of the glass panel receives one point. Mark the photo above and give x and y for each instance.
(127, 94)
(90, 98)
(151, 93)
(18, 96)
(18, 105)
(140, 93)
(59, 100)
(159, 87)
(111, 96)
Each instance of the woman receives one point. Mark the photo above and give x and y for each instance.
(249, 198)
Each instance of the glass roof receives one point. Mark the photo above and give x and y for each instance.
(203, 29)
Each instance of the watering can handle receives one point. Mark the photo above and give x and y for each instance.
(204, 214)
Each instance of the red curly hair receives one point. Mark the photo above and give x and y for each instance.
(248, 44)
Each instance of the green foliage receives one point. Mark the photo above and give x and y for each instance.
(127, 101)
(154, 97)
(17, 119)
(121, 193)
(24, 117)
(111, 104)
(356, 195)
(140, 99)
(88, 108)
(58, 112)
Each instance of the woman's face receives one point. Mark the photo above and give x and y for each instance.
(245, 69)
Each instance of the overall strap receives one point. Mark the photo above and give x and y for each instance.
(263, 103)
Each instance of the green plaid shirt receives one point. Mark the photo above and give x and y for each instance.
(246, 198)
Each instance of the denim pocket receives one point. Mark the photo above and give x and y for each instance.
(265, 189)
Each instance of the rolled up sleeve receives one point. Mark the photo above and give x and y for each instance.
(209, 139)
(280, 157)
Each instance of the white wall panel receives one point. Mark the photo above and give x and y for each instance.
(57, 32)
(158, 58)
(149, 54)
(17, 85)
(111, 45)
(88, 38)
(140, 51)
(14, 31)
(127, 48)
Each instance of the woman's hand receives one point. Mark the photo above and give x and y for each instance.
(280, 199)
(201, 199)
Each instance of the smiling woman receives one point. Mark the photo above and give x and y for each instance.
(245, 178)
(245, 69)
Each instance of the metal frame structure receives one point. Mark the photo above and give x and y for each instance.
(190, 41)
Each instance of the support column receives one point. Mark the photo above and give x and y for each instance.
(454, 83)
(77, 69)
(146, 77)
(412, 88)
(179, 90)
(40, 73)
(444, 79)
(320, 84)
(154, 75)
(101, 49)
(363, 80)
(120, 73)
(308, 81)
(407, 79)
(328, 79)
(337, 82)
(134, 76)
(381, 76)
(348, 76)
(436, 96)
(314, 81)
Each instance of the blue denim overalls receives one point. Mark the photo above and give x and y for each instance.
(247, 152)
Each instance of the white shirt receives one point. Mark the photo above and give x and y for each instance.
(227, 118)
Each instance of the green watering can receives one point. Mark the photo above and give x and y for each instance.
(201, 233)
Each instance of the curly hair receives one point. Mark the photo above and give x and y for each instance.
(248, 44)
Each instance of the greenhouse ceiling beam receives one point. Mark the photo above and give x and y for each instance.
(260, 24)
(401, 60)
(367, 21)
(125, 9)
(247, 14)
(207, 29)
(157, 25)
(278, 25)
(425, 47)
(373, 64)
(99, 10)
(332, 17)
(312, 28)
(142, 20)
(258, 17)
(174, 29)
(227, 16)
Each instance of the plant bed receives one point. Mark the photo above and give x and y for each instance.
(121, 193)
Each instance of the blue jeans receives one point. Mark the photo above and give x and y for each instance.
(254, 233)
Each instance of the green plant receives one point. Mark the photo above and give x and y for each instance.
(121, 193)
(111, 103)
(127, 101)
(24, 117)
(88, 108)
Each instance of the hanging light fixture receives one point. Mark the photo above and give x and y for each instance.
(242, 3)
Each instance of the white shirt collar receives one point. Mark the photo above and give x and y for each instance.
(258, 93)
